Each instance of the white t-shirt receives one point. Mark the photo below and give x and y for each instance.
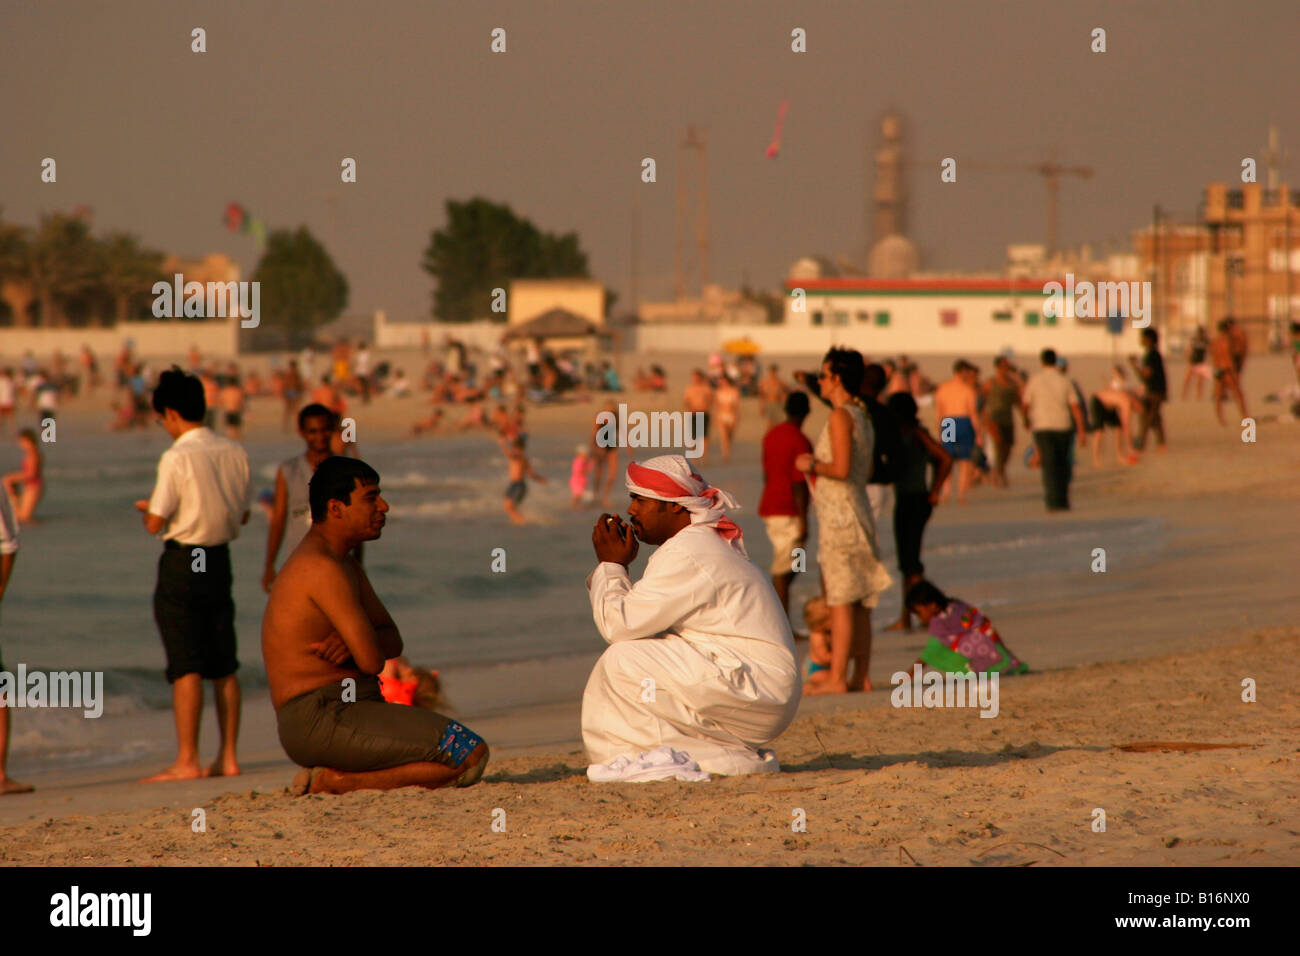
(203, 489)
(1049, 396)
(8, 527)
(7, 392)
(297, 472)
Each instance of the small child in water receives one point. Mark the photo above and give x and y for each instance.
(817, 615)
(579, 475)
(520, 469)
(962, 640)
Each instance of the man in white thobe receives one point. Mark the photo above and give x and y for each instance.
(701, 659)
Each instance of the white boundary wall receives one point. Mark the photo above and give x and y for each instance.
(915, 327)
(150, 339)
(409, 335)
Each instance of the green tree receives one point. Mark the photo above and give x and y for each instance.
(301, 288)
(127, 272)
(62, 265)
(482, 247)
(15, 270)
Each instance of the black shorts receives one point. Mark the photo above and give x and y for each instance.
(195, 613)
(234, 419)
(516, 490)
(1099, 416)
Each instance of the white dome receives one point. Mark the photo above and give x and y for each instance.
(813, 267)
(894, 257)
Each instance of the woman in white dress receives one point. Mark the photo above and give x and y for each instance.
(853, 577)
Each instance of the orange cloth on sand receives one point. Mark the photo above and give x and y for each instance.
(398, 691)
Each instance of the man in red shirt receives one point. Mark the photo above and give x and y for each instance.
(784, 505)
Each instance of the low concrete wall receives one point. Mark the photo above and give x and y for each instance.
(149, 340)
(411, 335)
(704, 337)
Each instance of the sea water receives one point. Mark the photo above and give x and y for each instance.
(81, 592)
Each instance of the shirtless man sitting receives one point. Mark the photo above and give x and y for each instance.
(326, 635)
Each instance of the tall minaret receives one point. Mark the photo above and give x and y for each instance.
(887, 208)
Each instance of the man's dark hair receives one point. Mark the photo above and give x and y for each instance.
(1151, 337)
(903, 407)
(314, 410)
(335, 479)
(796, 405)
(848, 365)
(180, 392)
(923, 592)
(1048, 357)
(873, 380)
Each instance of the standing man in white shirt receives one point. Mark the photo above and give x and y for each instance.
(362, 369)
(8, 396)
(1055, 417)
(8, 553)
(199, 502)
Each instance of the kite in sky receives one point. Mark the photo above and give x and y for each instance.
(775, 146)
(237, 219)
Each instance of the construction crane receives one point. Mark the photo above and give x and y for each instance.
(1049, 169)
(695, 141)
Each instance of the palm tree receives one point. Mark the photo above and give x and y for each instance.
(61, 265)
(126, 271)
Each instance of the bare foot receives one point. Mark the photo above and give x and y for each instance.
(304, 781)
(222, 768)
(826, 687)
(8, 786)
(176, 771)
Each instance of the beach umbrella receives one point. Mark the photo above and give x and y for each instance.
(745, 346)
(555, 324)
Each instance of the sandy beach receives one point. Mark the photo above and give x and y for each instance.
(877, 786)
(1200, 595)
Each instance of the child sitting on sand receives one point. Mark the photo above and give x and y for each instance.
(817, 615)
(962, 640)
(400, 683)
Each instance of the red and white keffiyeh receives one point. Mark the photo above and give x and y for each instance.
(670, 478)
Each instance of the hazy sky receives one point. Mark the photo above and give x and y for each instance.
(158, 139)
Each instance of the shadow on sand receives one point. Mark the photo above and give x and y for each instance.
(551, 774)
(930, 758)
